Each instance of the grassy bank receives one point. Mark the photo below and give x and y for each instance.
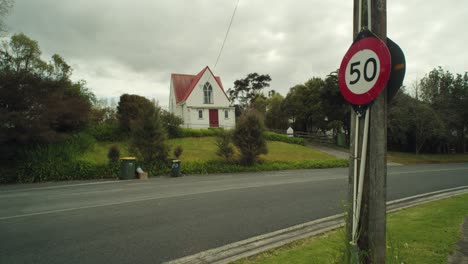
(199, 157)
(423, 234)
(204, 149)
(411, 158)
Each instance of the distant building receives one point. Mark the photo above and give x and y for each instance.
(200, 100)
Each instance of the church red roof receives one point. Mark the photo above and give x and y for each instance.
(185, 83)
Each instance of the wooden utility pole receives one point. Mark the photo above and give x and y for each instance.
(372, 224)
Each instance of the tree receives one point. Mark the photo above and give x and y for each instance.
(248, 137)
(172, 123)
(225, 148)
(447, 95)
(399, 122)
(276, 117)
(304, 105)
(426, 124)
(259, 103)
(36, 107)
(246, 89)
(148, 137)
(412, 125)
(334, 106)
(130, 108)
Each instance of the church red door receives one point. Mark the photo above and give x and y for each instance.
(214, 121)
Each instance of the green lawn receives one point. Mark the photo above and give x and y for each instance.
(411, 158)
(97, 154)
(423, 234)
(204, 148)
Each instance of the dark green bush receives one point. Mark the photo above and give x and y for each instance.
(248, 137)
(220, 166)
(64, 171)
(109, 131)
(58, 161)
(8, 174)
(171, 123)
(225, 147)
(113, 154)
(283, 138)
(190, 132)
(178, 151)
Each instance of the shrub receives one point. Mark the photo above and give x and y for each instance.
(220, 166)
(283, 138)
(225, 148)
(56, 161)
(178, 151)
(108, 131)
(171, 123)
(69, 170)
(113, 154)
(132, 107)
(248, 137)
(148, 138)
(190, 132)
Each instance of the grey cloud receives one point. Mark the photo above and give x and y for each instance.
(116, 44)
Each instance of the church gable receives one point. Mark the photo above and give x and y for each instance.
(201, 89)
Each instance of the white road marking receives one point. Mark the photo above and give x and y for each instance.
(59, 186)
(257, 185)
(421, 171)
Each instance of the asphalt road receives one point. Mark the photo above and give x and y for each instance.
(167, 218)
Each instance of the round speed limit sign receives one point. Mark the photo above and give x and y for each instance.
(365, 70)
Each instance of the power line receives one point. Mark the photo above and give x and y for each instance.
(227, 33)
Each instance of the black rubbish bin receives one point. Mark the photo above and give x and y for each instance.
(175, 169)
(127, 171)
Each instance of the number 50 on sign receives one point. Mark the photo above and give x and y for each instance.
(365, 70)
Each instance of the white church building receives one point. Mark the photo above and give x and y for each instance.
(200, 100)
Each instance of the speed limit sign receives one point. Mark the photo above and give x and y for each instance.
(365, 69)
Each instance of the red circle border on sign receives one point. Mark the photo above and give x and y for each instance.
(380, 48)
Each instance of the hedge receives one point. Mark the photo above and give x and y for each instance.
(211, 132)
(218, 166)
(283, 138)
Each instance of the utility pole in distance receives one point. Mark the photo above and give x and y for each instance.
(372, 224)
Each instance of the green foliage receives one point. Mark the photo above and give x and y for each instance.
(66, 171)
(131, 107)
(412, 124)
(221, 166)
(248, 137)
(148, 137)
(247, 89)
(113, 154)
(259, 103)
(224, 145)
(107, 131)
(58, 161)
(190, 132)
(172, 124)
(178, 151)
(39, 103)
(447, 94)
(276, 117)
(303, 104)
(283, 138)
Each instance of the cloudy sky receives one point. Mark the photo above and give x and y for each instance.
(123, 46)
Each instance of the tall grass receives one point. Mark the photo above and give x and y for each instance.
(59, 161)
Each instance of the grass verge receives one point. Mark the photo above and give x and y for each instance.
(411, 158)
(422, 234)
